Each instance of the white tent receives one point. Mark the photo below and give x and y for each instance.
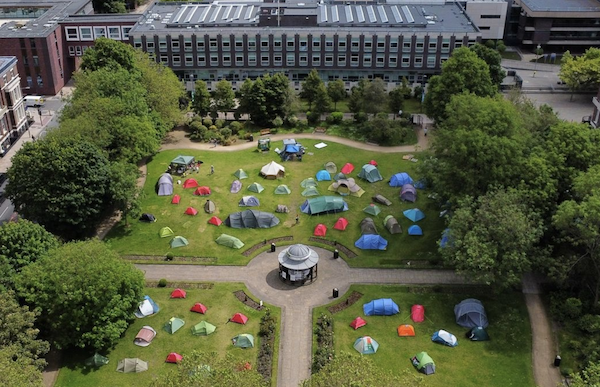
(272, 170)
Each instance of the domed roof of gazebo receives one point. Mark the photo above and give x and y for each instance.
(298, 257)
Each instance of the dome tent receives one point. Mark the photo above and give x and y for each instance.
(330, 167)
(323, 175)
(308, 182)
(357, 323)
(445, 338)
(381, 307)
(310, 191)
(324, 205)
(174, 324)
(417, 313)
(282, 189)
(191, 211)
(346, 187)
(190, 183)
(249, 201)
(392, 225)
(341, 224)
(239, 318)
(215, 221)
(424, 363)
(202, 191)
(367, 226)
(371, 242)
(381, 200)
(245, 340)
(198, 308)
(147, 218)
(415, 230)
(145, 336)
(370, 173)
(236, 186)
(255, 187)
(406, 330)
(339, 176)
(230, 241)
(477, 334)
(178, 293)
(209, 207)
(400, 179)
(173, 357)
(164, 187)
(176, 199)
(366, 345)
(146, 308)
(320, 230)
(470, 313)
(347, 169)
(203, 328)
(408, 193)
(166, 232)
(251, 219)
(178, 241)
(240, 174)
(96, 360)
(414, 214)
(130, 365)
(372, 209)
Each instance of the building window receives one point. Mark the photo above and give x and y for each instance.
(40, 81)
(393, 61)
(239, 44)
(72, 33)
(367, 61)
(86, 33)
(226, 44)
(316, 60)
(125, 32)
(484, 28)
(176, 60)
(458, 44)
(355, 45)
(164, 58)
(406, 46)
(328, 60)
(187, 44)
(445, 46)
(214, 59)
(432, 46)
(201, 60)
(189, 60)
(431, 61)
(303, 60)
(150, 46)
(162, 45)
(114, 33)
(200, 45)
(252, 44)
(239, 60)
(303, 45)
(251, 59)
(99, 32)
(418, 61)
(341, 59)
(368, 45)
(36, 60)
(227, 60)
(490, 16)
(394, 45)
(342, 45)
(328, 44)
(175, 46)
(277, 60)
(380, 45)
(212, 43)
(354, 60)
(291, 59)
(290, 44)
(419, 46)
(137, 43)
(405, 61)
(380, 61)
(277, 44)
(264, 60)
(316, 43)
(264, 44)
(71, 51)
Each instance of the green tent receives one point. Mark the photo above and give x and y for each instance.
(241, 174)
(478, 334)
(96, 361)
(372, 209)
(129, 365)
(370, 173)
(255, 187)
(230, 241)
(166, 232)
(323, 204)
(174, 324)
(182, 160)
(309, 182)
(245, 340)
(179, 241)
(282, 189)
(310, 191)
(203, 328)
(424, 363)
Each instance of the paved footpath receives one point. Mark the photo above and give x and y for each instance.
(261, 276)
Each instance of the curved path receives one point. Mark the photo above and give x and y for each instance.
(261, 276)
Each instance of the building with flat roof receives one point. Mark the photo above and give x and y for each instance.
(13, 121)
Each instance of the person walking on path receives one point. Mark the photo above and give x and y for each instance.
(425, 132)
(297, 219)
(212, 170)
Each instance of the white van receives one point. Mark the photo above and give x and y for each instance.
(33, 100)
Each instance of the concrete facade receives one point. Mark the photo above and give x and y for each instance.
(489, 16)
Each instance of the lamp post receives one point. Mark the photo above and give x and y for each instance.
(424, 83)
(538, 51)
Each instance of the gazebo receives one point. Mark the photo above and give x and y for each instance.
(298, 265)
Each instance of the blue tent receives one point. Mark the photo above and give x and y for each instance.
(381, 307)
(445, 238)
(323, 175)
(292, 148)
(445, 338)
(399, 179)
(470, 313)
(371, 242)
(414, 214)
(415, 230)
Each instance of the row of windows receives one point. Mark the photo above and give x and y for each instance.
(277, 44)
(77, 50)
(93, 33)
(355, 60)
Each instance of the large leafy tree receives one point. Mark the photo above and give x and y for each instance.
(463, 72)
(492, 238)
(396, 99)
(202, 99)
(311, 87)
(369, 97)
(581, 72)
(588, 377)
(18, 371)
(224, 97)
(61, 183)
(124, 190)
(337, 91)
(322, 100)
(351, 370)
(266, 98)
(108, 53)
(494, 61)
(207, 369)
(86, 294)
(109, 6)
(17, 330)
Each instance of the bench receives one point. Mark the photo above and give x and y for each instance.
(320, 129)
(265, 132)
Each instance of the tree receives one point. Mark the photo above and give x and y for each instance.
(463, 72)
(266, 98)
(108, 53)
(61, 183)
(337, 91)
(396, 99)
(202, 100)
(109, 6)
(22, 243)
(356, 96)
(588, 377)
(494, 61)
(224, 98)
(86, 294)
(351, 370)
(374, 97)
(17, 371)
(124, 191)
(207, 369)
(581, 72)
(493, 238)
(17, 330)
(322, 101)
(311, 87)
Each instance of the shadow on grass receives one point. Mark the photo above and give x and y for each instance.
(74, 359)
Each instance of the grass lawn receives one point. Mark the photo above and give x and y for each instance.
(221, 304)
(503, 361)
(510, 55)
(142, 238)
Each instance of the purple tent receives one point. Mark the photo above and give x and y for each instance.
(408, 193)
(236, 186)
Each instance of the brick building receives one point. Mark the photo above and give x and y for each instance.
(13, 121)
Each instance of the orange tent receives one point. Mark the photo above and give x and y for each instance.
(239, 318)
(178, 293)
(190, 183)
(320, 230)
(406, 330)
(176, 199)
(216, 221)
(174, 358)
(202, 191)
(341, 224)
(191, 211)
(198, 308)
(358, 322)
(417, 313)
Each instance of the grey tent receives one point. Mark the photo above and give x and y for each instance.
(209, 207)
(367, 226)
(236, 186)
(408, 193)
(370, 173)
(310, 182)
(392, 225)
(282, 189)
(165, 185)
(129, 365)
(240, 174)
(249, 201)
(96, 361)
(310, 191)
(330, 167)
(252, 219)
(381, 200)
(147, 218)
(339, 176)
(470, 313)
(230, 241)
(281, 208)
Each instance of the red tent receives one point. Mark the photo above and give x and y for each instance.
(320, 230)
(202, 191)
(198, 308)
(417, 313)
(373, 162)
(216, 221)
(190, 183)
(346, 169)
(176, 199)
(191, 211)
(174, 358)
(357, 323)
(341, 224)
(239, 318)
(178, 293)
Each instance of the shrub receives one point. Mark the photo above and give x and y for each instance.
(565, 310)
(313, 117)
(277, 122)
(418, 91)
(335, 118)
(302, 124)
(225, 132)
(274, 131)
(220, 123)
(235, 127)
(360, 117)
(589, 323)
(207, 122)
(162, 283)
(169, 256)
(291, 121)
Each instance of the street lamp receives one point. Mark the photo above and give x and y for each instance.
(538, 51)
